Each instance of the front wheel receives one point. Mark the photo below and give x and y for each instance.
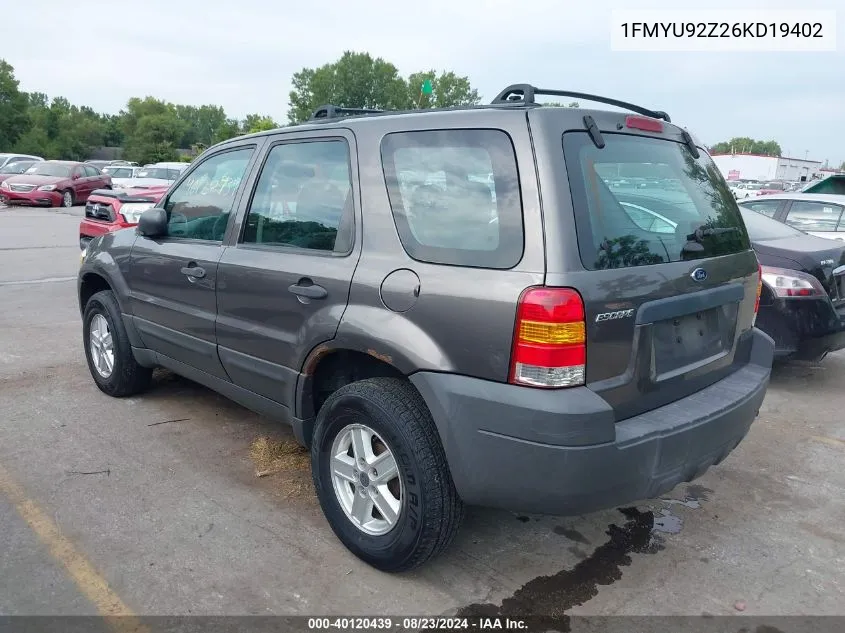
(381, 474)
(108, 351)
(67, 199)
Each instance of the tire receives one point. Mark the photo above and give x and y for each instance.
(127, 377)
(67, 199)
(430, 510)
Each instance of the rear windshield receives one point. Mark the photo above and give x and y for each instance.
(642, 201)
(760, 227)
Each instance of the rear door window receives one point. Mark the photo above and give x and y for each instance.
(813, 216)
(455, 196)
(641, 201)
(763, 207)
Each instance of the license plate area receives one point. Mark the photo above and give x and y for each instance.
(688, 340)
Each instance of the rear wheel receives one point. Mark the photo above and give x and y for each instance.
(381, 474)
(108, 351)
(67, 198)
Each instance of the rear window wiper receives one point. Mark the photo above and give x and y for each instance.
(701, 232)
(695, 240)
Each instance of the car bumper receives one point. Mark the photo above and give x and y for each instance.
(803, 329)
(543, 464)
(33, 198)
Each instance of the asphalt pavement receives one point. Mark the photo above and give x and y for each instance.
(151, 505)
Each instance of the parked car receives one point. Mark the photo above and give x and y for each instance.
(745, 190)
(109, 210)
(557, 360)
(816, 214)
(14, 169)
(802, 305)
(152, 176)
(53, 183)
(833, 184)
(771, 188)
(122, 175)
(5, 159)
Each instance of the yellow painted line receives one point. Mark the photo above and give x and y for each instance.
(93, 586)
(833, 441)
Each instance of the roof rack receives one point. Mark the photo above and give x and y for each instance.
(336, 112)
(521, 94)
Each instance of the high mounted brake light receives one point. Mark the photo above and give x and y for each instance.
(549, 343)
(643, 123)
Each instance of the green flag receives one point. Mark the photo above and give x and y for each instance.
(427, 88)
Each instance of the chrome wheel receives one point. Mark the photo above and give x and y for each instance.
(67, 199)
(366, 479)
(102, 346)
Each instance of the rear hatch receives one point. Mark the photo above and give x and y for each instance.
(643, 225)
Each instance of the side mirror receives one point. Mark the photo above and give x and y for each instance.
(153, 223)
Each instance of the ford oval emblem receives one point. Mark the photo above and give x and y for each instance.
(699, 274)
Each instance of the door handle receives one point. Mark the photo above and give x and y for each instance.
(193, 271)
(308, 289)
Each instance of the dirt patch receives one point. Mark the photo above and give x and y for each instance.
(286, 462)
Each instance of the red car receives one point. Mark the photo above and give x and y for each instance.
(108, 210)
(53, 183)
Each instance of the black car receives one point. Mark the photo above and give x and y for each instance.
(802, 303)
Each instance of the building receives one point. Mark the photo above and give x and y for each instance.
(764, 168)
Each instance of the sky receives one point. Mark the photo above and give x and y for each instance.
(241, 55)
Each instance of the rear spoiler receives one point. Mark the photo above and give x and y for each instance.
(122, 196)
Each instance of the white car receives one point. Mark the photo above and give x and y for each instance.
(8, 159)
(121, 175)
(153, 175)
(743, 190)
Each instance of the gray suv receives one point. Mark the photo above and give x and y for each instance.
(541, 309)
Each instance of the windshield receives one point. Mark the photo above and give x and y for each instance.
(753, 185)
(641, 201)
(162, 173)
(118, 172)
(14, 168)
(774, 185)
(761, 228)
(49, 169)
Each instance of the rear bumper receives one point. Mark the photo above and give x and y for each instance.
(33, 198)
(803, 329)
(535, 451)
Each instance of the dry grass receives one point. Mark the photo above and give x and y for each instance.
(283, 456)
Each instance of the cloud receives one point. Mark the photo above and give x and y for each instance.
(241, 55)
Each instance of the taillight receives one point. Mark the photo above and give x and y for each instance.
(549, 343)
(644, 123)
(787, 283)
(759, 291)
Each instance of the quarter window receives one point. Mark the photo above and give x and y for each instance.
(199, 207)
(814, 216)
(767, 208)
(455, 196)
(303, 198)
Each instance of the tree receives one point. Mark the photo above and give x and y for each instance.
(357, 80)
(448, 89)
(746, 145)
(14, 104)
(154, 138)
(258, 123)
